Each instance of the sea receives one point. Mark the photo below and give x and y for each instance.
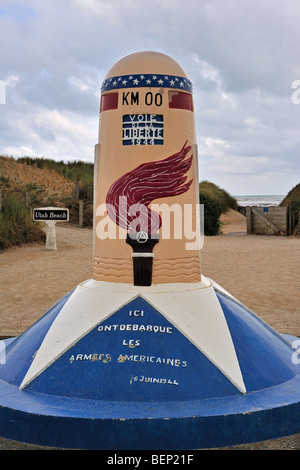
(261, 201)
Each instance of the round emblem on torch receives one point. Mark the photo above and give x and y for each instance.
(142, 237)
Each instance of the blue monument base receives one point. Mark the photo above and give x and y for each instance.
(135, 380)
(86, 424)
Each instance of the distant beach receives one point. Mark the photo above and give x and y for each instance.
(262, 201)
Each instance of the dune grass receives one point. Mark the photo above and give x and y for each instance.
(222, 197)
(16, 224)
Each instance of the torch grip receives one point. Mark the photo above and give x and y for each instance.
(142, 245)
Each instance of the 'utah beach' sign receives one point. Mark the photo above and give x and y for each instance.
(51, 213)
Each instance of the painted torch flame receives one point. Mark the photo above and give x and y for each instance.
(129, 196)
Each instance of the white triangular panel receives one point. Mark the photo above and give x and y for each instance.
(82, 312)
(192, 308)
(199, 316)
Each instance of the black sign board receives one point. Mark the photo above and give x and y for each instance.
(51, 213)
(143, 129)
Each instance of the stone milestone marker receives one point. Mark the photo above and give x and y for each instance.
(51, 215)
(149, 353)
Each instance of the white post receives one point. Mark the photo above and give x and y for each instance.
(51, 235)
(51, 215)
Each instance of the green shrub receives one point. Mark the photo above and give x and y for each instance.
(84, 171)
(16, 224)
(294, 207)
(86, 191)
(212, 212)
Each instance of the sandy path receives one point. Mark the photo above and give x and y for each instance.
(33, 279)
(262, 272)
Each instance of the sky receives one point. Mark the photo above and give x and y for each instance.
(242, 57)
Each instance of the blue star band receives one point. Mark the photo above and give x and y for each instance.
(147, 80)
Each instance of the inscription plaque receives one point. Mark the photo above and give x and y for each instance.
(44, 215)
(135, 353)
(143, 129)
